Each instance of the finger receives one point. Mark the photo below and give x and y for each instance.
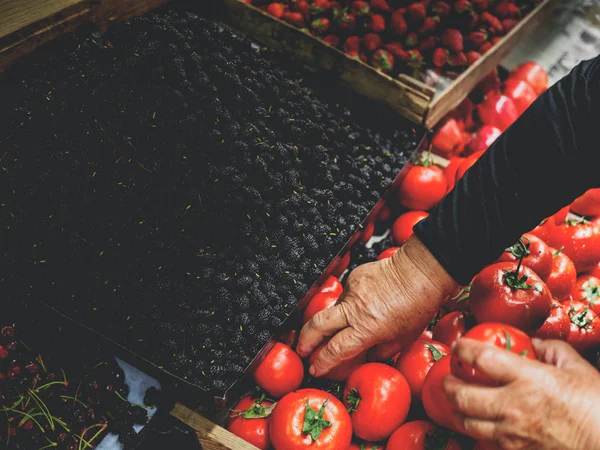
(343, 346)
(496, 363)
(557, 353)
(477, 402)
(476, 428)
(385, 350)
(324, 323)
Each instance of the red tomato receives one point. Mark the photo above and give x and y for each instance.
(384, 214)
(580, 241)
(289, 337)
(533, 74)
(402, 229)
(482, 140)
(561, 216)
(320, 301)
(421, 435)
(563, 276)
(341, 263)
(450, 171)
(368, 232)
(416, 360)
(248, 420)
(498, 111)
(324, 417)
(467, 164)
(426, 335)
(344, 370)
(557, 325)
(447, 137)
(587, 290)
(423, 187)
(520, 92)
(500, 335)
(585, 327)
(491, 82)
(543, 229)
(596, 271)
(452, 327)
(280, 372)
(588, 204)
(537, 256)
(459, 299)
(332, 285)
(388, 253)
(378, 398)
(436, 405)
(366, 446)
(499, 294)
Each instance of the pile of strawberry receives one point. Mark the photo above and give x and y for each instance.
(554, 277)
(399, 36)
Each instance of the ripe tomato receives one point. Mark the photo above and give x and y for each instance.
(500, 294)
(421, 435)
(459, 299)
(537, 255)
(320, 301)
(482, 140)
(580, 241)
(416, 360)
(280, 372)
(490, 83)
(367, 232)
(344, 370)
(402, 229)
(452, 327)
(588, 204)
(423, 187)
(498, 111)
(248, 420)
(378, 399)
(332, 285)
(520, 92)
(436, 405)
(596, 271)
(557, 325)
(289, 337)
(450, 171)
(543, 229)
(467, 164)
(310, 418)
(533, 74)
(587, 290)
(447, 137)
(387, 253)
(500, 335)
(585, 327)
(366, 446)
(384, 214)
(563, 275)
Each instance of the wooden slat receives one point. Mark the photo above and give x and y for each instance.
(211, 436)
(108, 11)
(18, 14)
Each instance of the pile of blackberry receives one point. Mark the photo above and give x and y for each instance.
(170, 187)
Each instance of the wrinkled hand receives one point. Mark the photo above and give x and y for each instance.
(553, 403)
(385, 301)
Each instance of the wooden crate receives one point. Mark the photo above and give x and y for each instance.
(406, 95)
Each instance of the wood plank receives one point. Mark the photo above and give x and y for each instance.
(108, 11)
(210, 435)
(18, 14)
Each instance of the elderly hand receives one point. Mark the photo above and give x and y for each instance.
(553, 403)
(385, 301)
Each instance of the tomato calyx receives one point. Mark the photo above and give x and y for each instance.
(314, 422)
(364, 447)
(571, 222)
(463, 294)
(437, 355)
(425, 161)
(433, 322)
(437, 439)
(353, 398)
(513, 280)
(592, 292)
(256, 411)
(558, 252)
(579, 318)
(508, 344)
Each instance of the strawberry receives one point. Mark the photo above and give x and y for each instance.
(472, 57)
(417, 13)
(320, 25)
(383, 60)
(293, 18)
(332, 40)
(337, 11)
(320, 6)
(396, 49)
(485, 47)
(492, 21)
(398, 23)
(411, 41)
(509, 24)
(371, 42)
(352, 44)
(442, 9)
(463, 6)
(377, 23)
(514, 12)
(347, 22)
(276, 10)
(360, 8)
(453, 40)
(475, 39)
(473, 21)
(429, 26)
(415, 59)
(300, 6)
(427, 45)
(480, 5)
(440, 57)
(504, 9)
(359, 57)
(458, 60)
(495, 40)
(380, 5)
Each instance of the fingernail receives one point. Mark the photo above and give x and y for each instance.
(312, 370)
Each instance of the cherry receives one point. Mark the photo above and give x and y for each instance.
(8, 331)
(32, 368)
(12, 346)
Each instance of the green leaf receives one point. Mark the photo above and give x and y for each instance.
(520, 249)
(558, 252)
(508, 341)
(437, 355)
(353, 398)
(314, 423)
(463, 294)
(524, 353)
(513, 280)
(592, 292)
(579, 319)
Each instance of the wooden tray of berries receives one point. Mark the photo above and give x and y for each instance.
(379, 48)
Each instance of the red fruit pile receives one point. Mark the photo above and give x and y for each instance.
(403, 36)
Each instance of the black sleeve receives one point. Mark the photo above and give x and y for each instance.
(546, 159)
